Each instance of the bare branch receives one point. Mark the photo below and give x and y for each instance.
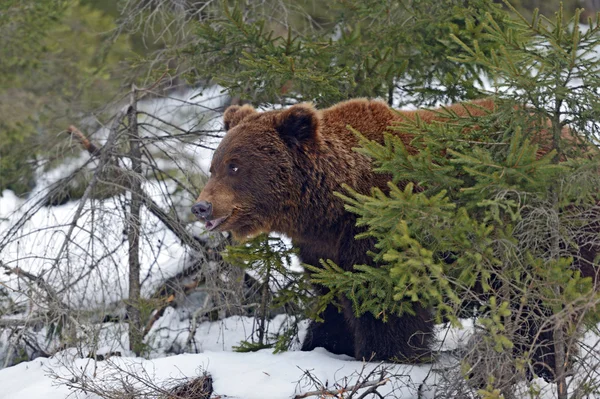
(171, 222)
(336, 392)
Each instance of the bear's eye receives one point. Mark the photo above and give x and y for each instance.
(233, 168)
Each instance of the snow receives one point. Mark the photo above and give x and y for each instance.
(259, 374)
(41, 239)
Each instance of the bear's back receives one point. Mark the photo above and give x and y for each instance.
(373, 117)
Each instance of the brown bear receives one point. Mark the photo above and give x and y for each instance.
(277, 171)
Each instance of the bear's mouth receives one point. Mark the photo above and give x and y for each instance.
(212, 224)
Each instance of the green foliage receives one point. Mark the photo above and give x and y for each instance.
(492, 207)
(246, 346)
(23, 27)
(493, 321)
(357, 49)
(57, 61)
(550, 65)
(281, 289)
(370, 289)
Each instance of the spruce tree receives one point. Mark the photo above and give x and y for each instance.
(494, 222)
(281, 290)
(332, 51)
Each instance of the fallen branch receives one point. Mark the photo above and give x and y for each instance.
(199, 388)
(127, 380)
(373, 385)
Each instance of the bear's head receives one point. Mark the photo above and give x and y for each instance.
(255, 178)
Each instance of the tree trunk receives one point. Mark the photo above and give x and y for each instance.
(133, 230)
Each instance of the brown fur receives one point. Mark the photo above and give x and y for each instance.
(277, 171)
(325, 158)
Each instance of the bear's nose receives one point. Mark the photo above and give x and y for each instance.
(202, 209)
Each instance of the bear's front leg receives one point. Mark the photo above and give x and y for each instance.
(333, 334)
(403, 339)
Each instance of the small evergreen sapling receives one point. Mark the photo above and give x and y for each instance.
(281, 290)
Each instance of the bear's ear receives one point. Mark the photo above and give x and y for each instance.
(234, 114)
(298, 124)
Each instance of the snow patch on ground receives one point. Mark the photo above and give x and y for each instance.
(260, 375)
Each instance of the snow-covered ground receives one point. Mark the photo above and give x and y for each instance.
(259, 375)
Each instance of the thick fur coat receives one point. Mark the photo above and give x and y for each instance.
(277, 171)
